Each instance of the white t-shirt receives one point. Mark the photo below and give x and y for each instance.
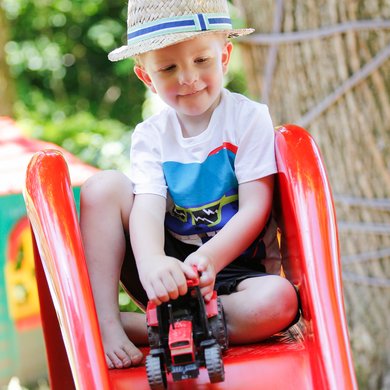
(200, 175)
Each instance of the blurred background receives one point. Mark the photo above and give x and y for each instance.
(322, 64)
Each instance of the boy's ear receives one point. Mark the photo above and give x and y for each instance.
(144, 77)
(226, 53)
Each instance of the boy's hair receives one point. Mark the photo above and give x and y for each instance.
(154, 24)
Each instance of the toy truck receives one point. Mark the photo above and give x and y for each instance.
(184, 335)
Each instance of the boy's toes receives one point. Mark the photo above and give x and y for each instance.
(134, 354)
(124, 357)
(126, 362)
(137, 359)
(113, 361)
(110, 364)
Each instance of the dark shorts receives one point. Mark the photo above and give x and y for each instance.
(226, 280)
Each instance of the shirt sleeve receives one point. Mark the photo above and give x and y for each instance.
(255, 157)
(146, 171)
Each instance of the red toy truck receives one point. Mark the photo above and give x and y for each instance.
(184, 335)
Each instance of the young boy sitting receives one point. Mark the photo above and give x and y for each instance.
(200, 188)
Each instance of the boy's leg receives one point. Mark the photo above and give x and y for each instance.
(260, 307)
(106, 201)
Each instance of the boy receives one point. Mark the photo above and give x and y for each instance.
(200, 191)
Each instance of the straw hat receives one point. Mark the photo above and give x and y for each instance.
(154, 24)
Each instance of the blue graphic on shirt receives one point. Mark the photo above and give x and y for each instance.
(205, 195)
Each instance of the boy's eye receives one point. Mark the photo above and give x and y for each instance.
(168, 68)
(201, 60)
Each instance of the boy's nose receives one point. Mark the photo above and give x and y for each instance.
(188, 77)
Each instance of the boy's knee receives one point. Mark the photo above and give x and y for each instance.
(281, 298)
(105, 186)
(288, 300)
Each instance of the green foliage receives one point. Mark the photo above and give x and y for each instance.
(126, 303)
(68, 91)
(58, 58)
(102, 143)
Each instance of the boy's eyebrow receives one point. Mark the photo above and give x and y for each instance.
(169, 60)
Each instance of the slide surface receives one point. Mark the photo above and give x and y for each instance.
(314, 354)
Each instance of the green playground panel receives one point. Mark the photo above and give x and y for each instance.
(14, 359)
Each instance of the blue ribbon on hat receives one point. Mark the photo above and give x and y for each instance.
(179, 24)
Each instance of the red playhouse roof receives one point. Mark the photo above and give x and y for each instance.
(16, 152)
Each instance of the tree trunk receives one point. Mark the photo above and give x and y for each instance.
(7, 95)
(324, 64)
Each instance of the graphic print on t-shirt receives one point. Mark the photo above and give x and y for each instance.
(205, 194)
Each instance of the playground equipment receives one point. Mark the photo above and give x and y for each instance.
(315, 354)
(21, 339)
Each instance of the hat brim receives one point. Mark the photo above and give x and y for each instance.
(156, 43)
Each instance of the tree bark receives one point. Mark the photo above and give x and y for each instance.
(7, 90)
(324, 64)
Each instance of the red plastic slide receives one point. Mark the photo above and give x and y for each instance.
(315, 354)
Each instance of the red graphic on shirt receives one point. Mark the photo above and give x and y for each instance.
(225, 145)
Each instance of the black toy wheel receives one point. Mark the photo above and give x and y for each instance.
(153, 337)
(218, 327)
(214, 363)
(156, 373)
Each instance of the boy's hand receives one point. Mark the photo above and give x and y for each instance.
(165, 278)
(207, 273)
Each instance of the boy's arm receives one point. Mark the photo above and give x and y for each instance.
(162, 277)
(255, 202)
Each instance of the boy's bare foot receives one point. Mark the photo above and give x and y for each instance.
(119, 350)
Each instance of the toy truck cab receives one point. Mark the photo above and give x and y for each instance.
(181, 342)
(184, 335)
